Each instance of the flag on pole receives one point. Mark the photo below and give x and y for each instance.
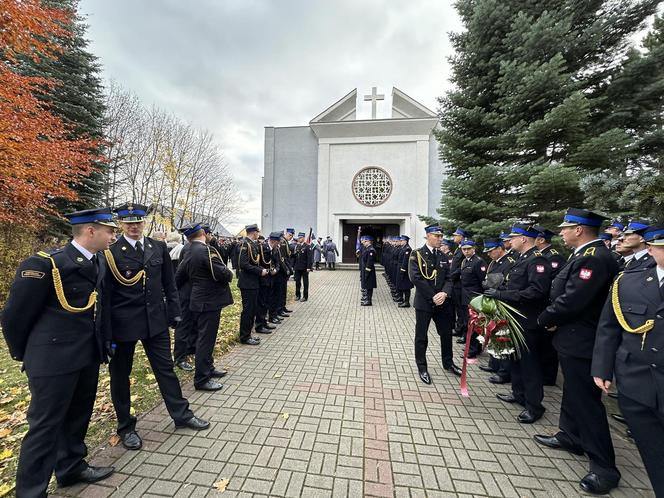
(308, 241)
(357, 242)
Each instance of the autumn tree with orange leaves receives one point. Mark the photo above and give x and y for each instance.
(39, 162)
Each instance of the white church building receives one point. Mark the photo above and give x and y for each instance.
(340, 172)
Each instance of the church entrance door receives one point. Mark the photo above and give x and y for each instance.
(377, 231)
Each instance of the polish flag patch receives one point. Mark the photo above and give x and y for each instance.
(540, 268)
(483, 268)
(585, 273)
(554, 264)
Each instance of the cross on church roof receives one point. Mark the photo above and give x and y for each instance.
(374, 98)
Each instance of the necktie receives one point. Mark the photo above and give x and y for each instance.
(95, 263)
(139, 249)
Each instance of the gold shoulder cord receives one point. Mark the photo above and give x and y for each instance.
(210, 259)
(252, 258)
(118, 276)
(60, 292)
(433, 274)
(643, 329)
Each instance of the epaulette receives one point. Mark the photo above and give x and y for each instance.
(509, 258)
(553, 251)
(51, 252)
(590, 251)
(537, 253)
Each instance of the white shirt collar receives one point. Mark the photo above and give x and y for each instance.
(82, 250)
(132, 242)
(641, 253)
(660, 274)
(580, 248)
(628, 257)
(430, 248)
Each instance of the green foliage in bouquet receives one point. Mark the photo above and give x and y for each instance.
(496, 326)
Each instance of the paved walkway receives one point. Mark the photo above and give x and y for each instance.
(331, 405)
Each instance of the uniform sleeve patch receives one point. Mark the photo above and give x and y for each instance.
(483, 268)
(554, 264)
(539, 268)
(585, 273)
(32, 274)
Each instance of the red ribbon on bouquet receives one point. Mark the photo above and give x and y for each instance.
(473, 322)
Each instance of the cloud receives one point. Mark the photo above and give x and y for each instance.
(236, 66)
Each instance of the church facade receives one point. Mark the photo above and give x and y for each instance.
(340, 173)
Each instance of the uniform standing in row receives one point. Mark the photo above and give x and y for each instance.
(304, 262)
(578, 294)
(368, 269)
(403, 284)
(52, 322)
(265, 289)
(526, 288)
(249, 275)
(429, 270)
(209, 278)
(471, 275)
(143, 301)
(460, 311)
(630, 345)
(499, 266)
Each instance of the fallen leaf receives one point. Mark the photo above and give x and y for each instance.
(134, 398)
(5, 454)
(221, 485)
(4, 401)
(132, 411)
(114, 440)
(285, 416)
(5, 432)
(150, 377)
(5, 489)
(277, 376)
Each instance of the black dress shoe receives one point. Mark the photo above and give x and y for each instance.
(454, 369)
(284, 315)
(185, 365)
(404, 305)
(628, 433)
(554, 442)
(506, 397)
(597, 485)
(132, 441)
(198, 424)
(89, 475)
(366, 304)
(457, 334)
(210, 385)
(461, 340)
(304, 299)
(269, 327)
(218, 374)
(275, 320)
(263, 330)
(487, 368)
(619, 418)
(497, 379)
(426, 378)
(252, 341)
(528, 417)
(286, 310)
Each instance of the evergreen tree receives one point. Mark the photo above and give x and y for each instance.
(530, 118)
(78, 100)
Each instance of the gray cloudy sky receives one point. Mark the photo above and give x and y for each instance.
(236, 66)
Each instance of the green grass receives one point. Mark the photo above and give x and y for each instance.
(15, 396)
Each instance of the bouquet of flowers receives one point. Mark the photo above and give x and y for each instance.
(494, 323)
(496, 328)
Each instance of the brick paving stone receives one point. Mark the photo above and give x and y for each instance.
(359, 422)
